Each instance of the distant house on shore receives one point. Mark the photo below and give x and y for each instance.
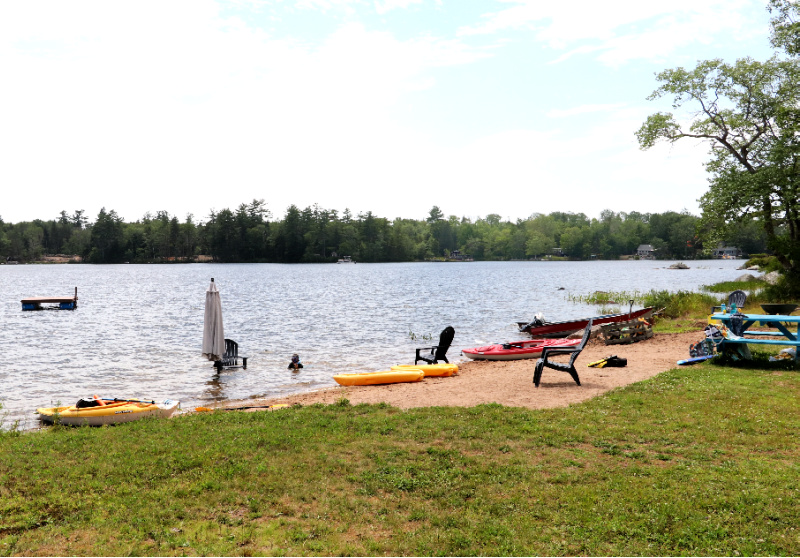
(726, 253)
(646, 252)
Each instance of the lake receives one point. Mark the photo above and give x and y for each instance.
(137, 331)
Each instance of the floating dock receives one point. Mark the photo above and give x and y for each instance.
(64, 302)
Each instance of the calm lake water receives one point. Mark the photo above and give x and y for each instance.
(137, 331)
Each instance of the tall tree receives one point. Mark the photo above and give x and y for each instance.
(106, 235)
(748, 113)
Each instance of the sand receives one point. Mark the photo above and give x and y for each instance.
(510, 383)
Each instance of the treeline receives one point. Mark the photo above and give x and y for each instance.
(249, 234)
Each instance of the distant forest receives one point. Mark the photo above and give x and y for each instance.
(249, 234)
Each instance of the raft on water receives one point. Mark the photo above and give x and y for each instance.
(64, 302)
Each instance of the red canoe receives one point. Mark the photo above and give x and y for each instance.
(518, 349)
(562, 329)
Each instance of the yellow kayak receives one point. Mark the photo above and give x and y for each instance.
(382, 377)
(97, 412)
(441, 369)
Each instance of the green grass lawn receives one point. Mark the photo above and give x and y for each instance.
(697, 461)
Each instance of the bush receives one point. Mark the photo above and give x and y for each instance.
(786, 290)
(681, 303)
(765, 263)
(730, 286)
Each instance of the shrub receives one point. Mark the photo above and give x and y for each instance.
(730, 286)
(681, 303)
(765, 263)
(787, 289)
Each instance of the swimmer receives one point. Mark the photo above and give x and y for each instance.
(295, 364)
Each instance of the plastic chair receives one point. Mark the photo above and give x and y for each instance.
(569, 367)
(736, 297)
(231, 357)
(438, 352)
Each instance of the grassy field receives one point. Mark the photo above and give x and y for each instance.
(697, 461)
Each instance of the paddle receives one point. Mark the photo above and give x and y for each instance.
(106, 400)
(115, 400)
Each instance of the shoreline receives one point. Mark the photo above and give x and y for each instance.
(510, 383)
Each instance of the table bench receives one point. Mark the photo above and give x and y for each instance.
(789, 338)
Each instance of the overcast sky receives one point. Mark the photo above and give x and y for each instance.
(391, 106)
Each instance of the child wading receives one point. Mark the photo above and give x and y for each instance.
(295, 364)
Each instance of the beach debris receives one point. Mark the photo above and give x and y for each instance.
(612, 361)
(785, 354)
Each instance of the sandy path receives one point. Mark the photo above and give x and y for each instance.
(510, 383)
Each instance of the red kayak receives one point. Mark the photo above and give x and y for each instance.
(518, 349)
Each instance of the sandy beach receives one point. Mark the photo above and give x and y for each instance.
(510, 383)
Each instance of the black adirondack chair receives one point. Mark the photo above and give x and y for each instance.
(432, 355)
(736, 297)
(231, 357)
(569, 367)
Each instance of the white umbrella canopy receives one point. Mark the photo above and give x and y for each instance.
(213, 334)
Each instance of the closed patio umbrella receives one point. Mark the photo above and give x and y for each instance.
(213, 334)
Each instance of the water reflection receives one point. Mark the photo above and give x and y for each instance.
(214, 391)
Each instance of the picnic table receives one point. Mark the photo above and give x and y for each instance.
(773, 321)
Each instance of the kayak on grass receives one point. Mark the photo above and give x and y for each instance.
(97, 411)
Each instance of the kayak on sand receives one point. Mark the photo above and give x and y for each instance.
(518, 349)
(380, 377)
(440, 369)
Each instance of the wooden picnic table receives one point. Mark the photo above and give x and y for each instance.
(774, 321)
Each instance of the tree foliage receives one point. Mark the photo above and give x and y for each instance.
(785, 26)
(314, 234)
(748, 113)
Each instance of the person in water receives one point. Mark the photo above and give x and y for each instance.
(295, 364)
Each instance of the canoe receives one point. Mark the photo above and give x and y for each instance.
(112, 411)
(517, 350)
(380, 377)
(440, 369)
(562, 329)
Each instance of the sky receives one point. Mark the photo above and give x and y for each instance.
(512, 107)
